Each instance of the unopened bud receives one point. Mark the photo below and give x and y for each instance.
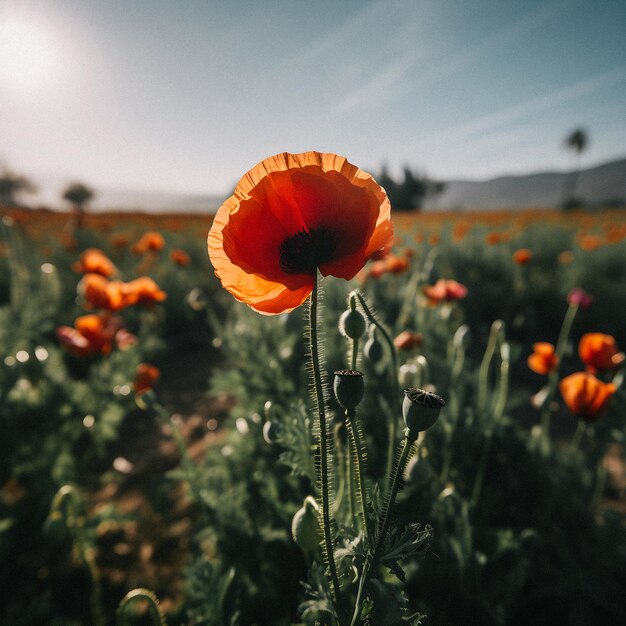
(349, 388)
(352, 324)
(373, 349)
(420, 410)
(305, 526)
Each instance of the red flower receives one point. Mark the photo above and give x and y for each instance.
(93, 334)
(522, 256)
(445, 290)
(94, 261)
(408, 340)
(100, 293)
(599, 352)
(291, 215)
(149, 242)
(143, 290)
(180, 257)
(585, 395)
(543, 360)
(146, 377)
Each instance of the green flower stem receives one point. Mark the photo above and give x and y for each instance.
(340, 492)
(358, 462)
(383, 527)
(355, 352)
(323, 442)
(578, 434)
(553, 377)
(395, 388)
(483, 372)
(154, 608)
(498, 412)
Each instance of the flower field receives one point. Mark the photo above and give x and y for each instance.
(170, 454)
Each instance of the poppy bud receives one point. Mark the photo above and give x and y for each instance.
(373, 349)
(352, 324)
(349, 388)
(305, 527)
(420, 410)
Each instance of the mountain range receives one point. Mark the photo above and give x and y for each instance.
(603, 184)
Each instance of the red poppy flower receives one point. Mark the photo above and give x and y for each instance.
(146, 377)
(142, 290)
(94, 261)
(91, 334)
(408, 340)
(291, 215)
(522, 256)
(180, 257)
(585, 395)
(445, 290)
(542, 360)
(149, 242)
(100, 293)
(599, 352)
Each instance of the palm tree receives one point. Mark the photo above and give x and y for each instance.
(576, 141)
(78, 195)
(11, 185)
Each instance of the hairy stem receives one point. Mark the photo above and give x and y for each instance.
(395, 387)
(323, 443)
(370, 564)
(358, 461)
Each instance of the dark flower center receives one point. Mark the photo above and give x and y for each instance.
(304, 251)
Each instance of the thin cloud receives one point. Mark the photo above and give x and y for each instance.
(491, 121)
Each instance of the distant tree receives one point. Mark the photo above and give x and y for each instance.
(408, 194)
(11, 186)
(78, 195)
(576, 141)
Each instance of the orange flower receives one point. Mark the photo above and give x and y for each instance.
(142, 291)
(146, 377)
(149, 242)
(180, 257)
(543, 360)
(585, 395)
(565, 257)
(590, 242)
(433, 239)
(522, 256)
(92, 334)
(100, 293)
(119, 240)
(94, 261)
(493, 238)
(444, 290)
(291, 215)
(408, 340)
(599, 352)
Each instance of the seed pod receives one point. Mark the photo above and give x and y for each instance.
(305, 526)
(420, 410)
(352, 324)
(349, 388)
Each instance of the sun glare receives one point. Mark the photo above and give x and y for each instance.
(29, 55)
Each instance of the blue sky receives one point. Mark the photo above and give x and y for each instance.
(186, 96)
